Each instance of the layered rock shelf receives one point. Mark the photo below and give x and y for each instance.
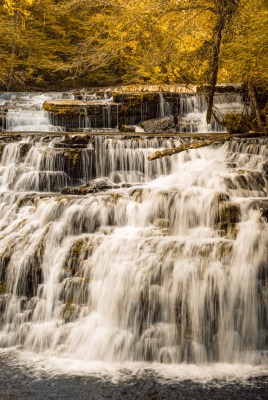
(83, 114)
(185, 110)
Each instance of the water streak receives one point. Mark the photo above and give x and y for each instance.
(163, 262)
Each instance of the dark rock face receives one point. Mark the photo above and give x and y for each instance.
(83, 114)
(2, 120)
(262, 206)
(265, 167)
(126, 109)
(165, 124)
(228, 216)
(137, 107)
(97, 185)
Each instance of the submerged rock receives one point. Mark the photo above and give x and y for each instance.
(98, 185)
(262, 206)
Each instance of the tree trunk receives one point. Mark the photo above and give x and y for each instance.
(13, 50)
(219, 138)
(215, 65)
(225, 10)
(255, 105)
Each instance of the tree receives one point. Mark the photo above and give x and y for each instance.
(245, 56)
(224, 11)
(37, 40)
(70, 43)
(18, 9)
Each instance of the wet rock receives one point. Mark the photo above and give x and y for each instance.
(127, 128)
(229, 214)
(265, 167)
(2, 288)
(83, 114)
(262, 206)
(74, 140)
(2, 120)
(4, 262)
(221, 197)
(24, 148)
(99, 185)
(72, 163)
(165, 124)
(161, 223)
(10, 138)
(2, 146)
(68, 312)
(247, 181)
(77, 191)
(231, 165)
(136, 106)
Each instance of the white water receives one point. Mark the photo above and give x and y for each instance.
(164, 373)
(170, 270)
(25, 112)
(191, 111)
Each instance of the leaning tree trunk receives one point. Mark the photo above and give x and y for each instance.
(255, 104)
(225, 10)
(218, 138)
(215, 66)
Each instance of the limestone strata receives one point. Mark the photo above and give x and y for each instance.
(83, 114)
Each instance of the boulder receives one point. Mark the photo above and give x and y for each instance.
(127, 128)
(158, 125)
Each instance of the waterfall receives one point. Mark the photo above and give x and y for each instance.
(191, 110)
(164, 106)
(24, 111)
(166, 263)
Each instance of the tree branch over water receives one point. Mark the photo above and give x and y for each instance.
(202, 143)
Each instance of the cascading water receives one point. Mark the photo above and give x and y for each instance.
(191, 110)
(24, 111)
(167, 263)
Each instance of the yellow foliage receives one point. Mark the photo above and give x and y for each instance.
(21, 6)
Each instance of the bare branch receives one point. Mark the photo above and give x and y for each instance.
(202, 143)
(183, 147)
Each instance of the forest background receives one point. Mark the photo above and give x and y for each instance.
(60, 44)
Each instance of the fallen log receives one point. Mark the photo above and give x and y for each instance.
(202, 143)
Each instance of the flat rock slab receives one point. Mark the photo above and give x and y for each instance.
(113, 133)
(82, 103)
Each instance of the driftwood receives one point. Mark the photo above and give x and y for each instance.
(202, 143)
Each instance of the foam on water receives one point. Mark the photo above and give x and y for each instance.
(155, 272)
(123, 372)
(25, 111)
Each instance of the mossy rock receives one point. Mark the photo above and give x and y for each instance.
(229, 215)
(238, 123)
(2, 288)
(68, 313)
(134, 98)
